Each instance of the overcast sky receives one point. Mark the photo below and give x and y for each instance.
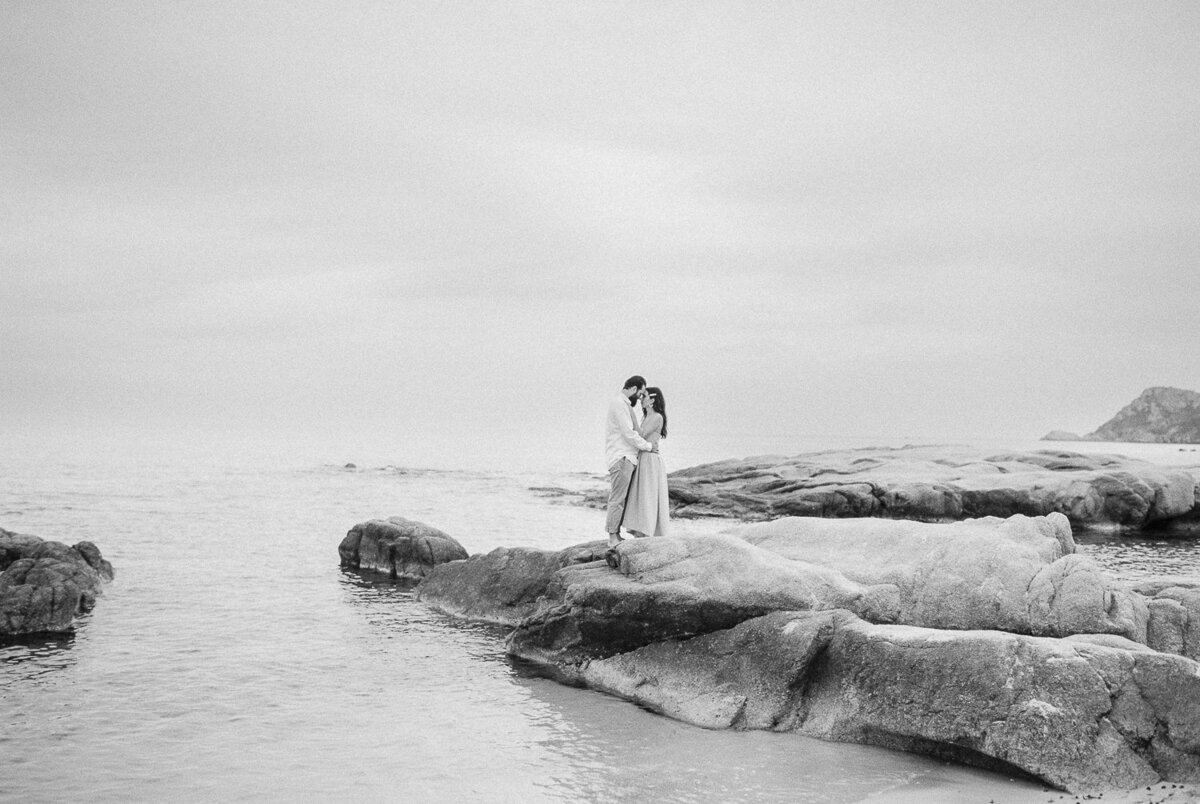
(449, 224)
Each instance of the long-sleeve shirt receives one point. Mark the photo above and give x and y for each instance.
(621, 439)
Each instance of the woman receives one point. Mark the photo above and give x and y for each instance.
(647, 509)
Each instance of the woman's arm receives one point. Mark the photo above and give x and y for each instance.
(651, 428)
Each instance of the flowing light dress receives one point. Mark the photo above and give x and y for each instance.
(648, 509)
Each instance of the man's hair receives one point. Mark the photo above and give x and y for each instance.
(636, 381)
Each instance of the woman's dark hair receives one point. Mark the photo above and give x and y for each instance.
(659, 406)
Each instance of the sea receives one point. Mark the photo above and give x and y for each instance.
(233, 659)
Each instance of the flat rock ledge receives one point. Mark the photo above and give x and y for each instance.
(944, 484)
(45, 585)
(504, 586)
(990, 642)
(400, 548)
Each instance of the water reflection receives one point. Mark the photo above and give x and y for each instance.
(618, 752)
(33, 659)
(391, 609)
(577, 744)
(376, 581)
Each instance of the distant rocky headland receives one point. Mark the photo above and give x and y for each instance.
(1159, 416)
(45, 585)
(989, 641)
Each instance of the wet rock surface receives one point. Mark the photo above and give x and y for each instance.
(46, 585)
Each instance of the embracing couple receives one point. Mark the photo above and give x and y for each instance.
(637, 477)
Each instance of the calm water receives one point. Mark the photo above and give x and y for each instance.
(233, 659)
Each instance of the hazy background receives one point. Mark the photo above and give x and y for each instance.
(442, 231)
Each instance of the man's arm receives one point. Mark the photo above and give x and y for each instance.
(624, 421)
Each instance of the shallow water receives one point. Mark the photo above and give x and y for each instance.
(232, 659)
(1136, 557)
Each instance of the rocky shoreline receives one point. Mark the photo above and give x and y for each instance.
(945, 484)
(46, 585)
(986, 640)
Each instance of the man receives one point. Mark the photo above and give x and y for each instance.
(621, 446)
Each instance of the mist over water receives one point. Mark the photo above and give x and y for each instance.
(540, 447)
(232, 659)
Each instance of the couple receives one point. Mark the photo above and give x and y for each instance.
(637, 477)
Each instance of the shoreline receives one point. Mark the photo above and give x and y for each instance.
(1096, 491)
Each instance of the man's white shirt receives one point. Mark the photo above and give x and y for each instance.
(621, 439)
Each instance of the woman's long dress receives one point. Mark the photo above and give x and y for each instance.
(647, 508)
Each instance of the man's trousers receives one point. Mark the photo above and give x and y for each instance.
(619, 475)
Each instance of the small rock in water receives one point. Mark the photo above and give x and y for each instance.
(399, 547)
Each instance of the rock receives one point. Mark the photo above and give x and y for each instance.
(1018, 574)
(45, 585)
(987, 641)
(1159, 415)
(91, 554)
(747, 677)
(1174, 608)
(940, 484)
(1012, 575)
(398, 547)
(1081, 716)
(558, 492)
(675, 588)
(504, 585)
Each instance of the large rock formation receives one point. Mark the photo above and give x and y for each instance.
(400, 548)
(1019, 575)
(990, 641)
(45, 585)
(1079, 715)
(1159, 416)
(943, 484)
